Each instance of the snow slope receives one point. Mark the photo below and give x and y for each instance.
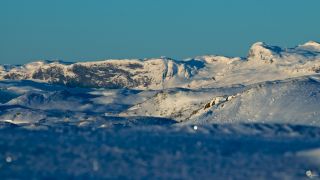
(285, 101)
(294, 101)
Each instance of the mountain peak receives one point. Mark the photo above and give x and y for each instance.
(310, 46)
(312, 43)
(263, 51)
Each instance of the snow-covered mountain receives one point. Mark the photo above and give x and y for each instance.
(134, 73)
(272, 84)
(264, 63)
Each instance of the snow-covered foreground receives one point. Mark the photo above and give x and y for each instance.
(239, 151)
(294, 101)
(206, 117)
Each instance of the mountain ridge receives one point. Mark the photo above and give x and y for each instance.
(161, 73)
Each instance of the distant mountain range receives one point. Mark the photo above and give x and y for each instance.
(264, 63)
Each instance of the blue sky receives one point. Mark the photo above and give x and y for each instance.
(78, 30)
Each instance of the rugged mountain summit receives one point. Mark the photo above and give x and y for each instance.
(263, 52)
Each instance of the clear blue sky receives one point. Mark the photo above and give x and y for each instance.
(78, 30)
